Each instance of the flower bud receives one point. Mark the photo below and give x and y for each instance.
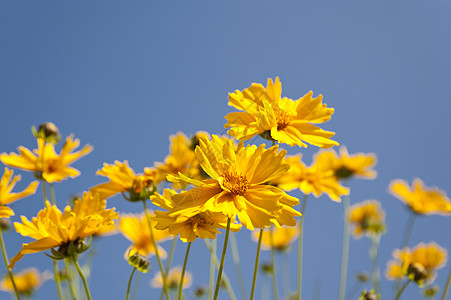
(343, 173)
(139, 262)
(266, 135)
(69, 249)
(47, 131)
(371, 295)
(431, 291)
(5, 224)
(200, 291)
(417, 273)
(267, 268)
(362, 277)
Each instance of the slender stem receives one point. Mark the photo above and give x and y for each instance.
(398, 294)
(5, 259)
(169, 261)
(212, 267)
(44, 190)
(82, 276)
(273, 266)
(375, 239)
(221, 266)
(57, 279)
(286, 278)
(445, 291)
(183, 271)
(136, 284)
(300, 244)
(236, 262)
(52, 194)
(408, 230)
(130, 283)
(257, 258)
(70, 282)
(152, 236)
(345, 249)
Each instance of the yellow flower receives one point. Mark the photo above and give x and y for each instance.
(7, 183)
(27, 281)
(316, 179)
(287, 121)
(237, 187)
(367, 218)
(52, 228)
(44, 161)
(281, 238)
(136, 229)
(172, 279)
(419, 264)
(420, 199)
(191, 224)
(123, 179)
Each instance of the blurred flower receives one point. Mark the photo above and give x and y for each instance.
(237, 187)
(266, 113)
(420, 199)
(7, 183)
(172, 279)
(45, 163)
(124, 180)
(47, 131)
(281, 238)
(419, 264)
(367, 218)
(52, 228)
(27, 281)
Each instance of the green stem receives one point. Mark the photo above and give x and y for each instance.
(212, 266)
(70, 282)
(445, 291)
(257, 258)
(345, 249)
(44, 190)
(169, 261)
(130, 283)
(52, 194)
(221, 266)
(286, 278)
(398, 294)
(273, 266)
(5, 259)
(82, 276)
(408, 230)
(236, 262)
(152, 236)
(57, 279)
(300, 246)
(375, 239)
(183, 271)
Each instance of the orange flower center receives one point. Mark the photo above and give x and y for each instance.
(235, 183)
(198, 219)
(283, 119)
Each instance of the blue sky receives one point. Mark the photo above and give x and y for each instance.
(123, 76)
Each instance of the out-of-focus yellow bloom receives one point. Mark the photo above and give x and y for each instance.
(7, 183)
(52, 228)
(136, 229)
(281, 238)
(346, 166)
(191, 224)
(419, 264)
(172, 279)
(367, 218)
(27, 281)
(124, 180)
(237, 187)
(316, 179)
(44, 161)
(421, 199)
(287, 121)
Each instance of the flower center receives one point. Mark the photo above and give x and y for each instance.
(236, 184)
(198, 219)
(283, 119)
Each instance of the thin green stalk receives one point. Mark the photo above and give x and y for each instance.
(345, 249)
(52, 194)
(5, 259)
(273, 266)
(375, 275)
(70, 281)
(57, 279)
(286, 278)
(212, 267)
(236, 262)
(183, 271)
(408, 230)
(169, 261)
(221, 266)
(82, 276)
(300, 245)
(398, 294)
(152, 236)
(257, 259)
(445, 291)
(130, 283)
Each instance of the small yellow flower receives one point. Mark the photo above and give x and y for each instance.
(421, 199)
(44, 161)
(124, 180)
(7, 183)
(281, 238)
(172, 279)
(27, 281)
(367, 218)
(65, 230)
(419, 264)
(287, 121)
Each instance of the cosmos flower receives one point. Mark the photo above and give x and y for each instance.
(367, 218)
(27, 281)
(7, 183)
(266, 113)
(421, 199)
(281, 238)
(44, 161)
(172, 279)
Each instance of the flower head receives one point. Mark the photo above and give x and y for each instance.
(44, 161)
(7, 183)
(172, 279)
(421, 199)
(279, 238)
(27, 281)
(367, 218)
(287, 121)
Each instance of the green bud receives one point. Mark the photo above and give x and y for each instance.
(266, 135)
(5, 224)
(47, 131)
(139, 262)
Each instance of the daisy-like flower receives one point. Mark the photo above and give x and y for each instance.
(136, 229)
(44, 161)
(27, 281)
(287, 121)
(419, 264)
(7, 183)
(421, 199)
(172, 279)
(191, 224)
(315, 179)
(124, 180)
(237, 187)
(367, 218)
(65, 230)
(279, 238)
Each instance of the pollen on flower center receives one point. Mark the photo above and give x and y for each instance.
(283, 119)
(236, 184)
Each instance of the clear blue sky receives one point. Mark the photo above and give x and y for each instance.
(124, 75)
